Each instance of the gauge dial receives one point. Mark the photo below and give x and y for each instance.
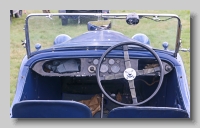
(115, 68)
(104, 68)
(95, 61)
(111, 61)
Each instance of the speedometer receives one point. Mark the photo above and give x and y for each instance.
(115, 68)
(104, 68)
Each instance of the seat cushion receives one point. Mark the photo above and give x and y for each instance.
(50, 109)
(147, 112)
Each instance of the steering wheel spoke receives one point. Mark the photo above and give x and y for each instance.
(129, 74)
(155, 70)
(132, 90)
(114, 76)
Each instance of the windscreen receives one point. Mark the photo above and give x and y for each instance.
(98, 30)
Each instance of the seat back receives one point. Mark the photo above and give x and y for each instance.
(147, 112)
(50, 109)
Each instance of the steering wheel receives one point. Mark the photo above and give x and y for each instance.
(130, 73)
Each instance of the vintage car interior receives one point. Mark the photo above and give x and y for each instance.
(126, 80)
(74, 79)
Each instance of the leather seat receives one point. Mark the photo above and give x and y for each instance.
(50, 109)
(147, 112)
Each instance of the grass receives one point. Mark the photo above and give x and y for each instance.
(17, 51)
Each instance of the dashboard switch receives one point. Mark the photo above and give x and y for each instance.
(91, 68)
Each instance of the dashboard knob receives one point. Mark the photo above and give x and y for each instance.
(168, 68)
(91, 68)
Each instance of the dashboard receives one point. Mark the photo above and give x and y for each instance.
(81, 67)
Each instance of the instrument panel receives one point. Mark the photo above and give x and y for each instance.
(109, 65)
(81, 67)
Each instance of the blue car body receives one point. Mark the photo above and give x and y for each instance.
(64, 92)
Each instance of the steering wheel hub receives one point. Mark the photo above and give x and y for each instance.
(129, 74)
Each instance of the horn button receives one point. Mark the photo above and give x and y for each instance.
(129, 74)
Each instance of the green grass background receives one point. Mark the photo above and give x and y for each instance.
(17, 51)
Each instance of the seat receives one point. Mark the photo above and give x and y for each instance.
(147, 112)
(50, 109)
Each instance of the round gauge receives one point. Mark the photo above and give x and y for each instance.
(95, 61)
(111, 61)
(104, 68)
(115, 68)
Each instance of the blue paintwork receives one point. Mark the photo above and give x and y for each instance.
(184, 88)
(96, 38)
(21, 80)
